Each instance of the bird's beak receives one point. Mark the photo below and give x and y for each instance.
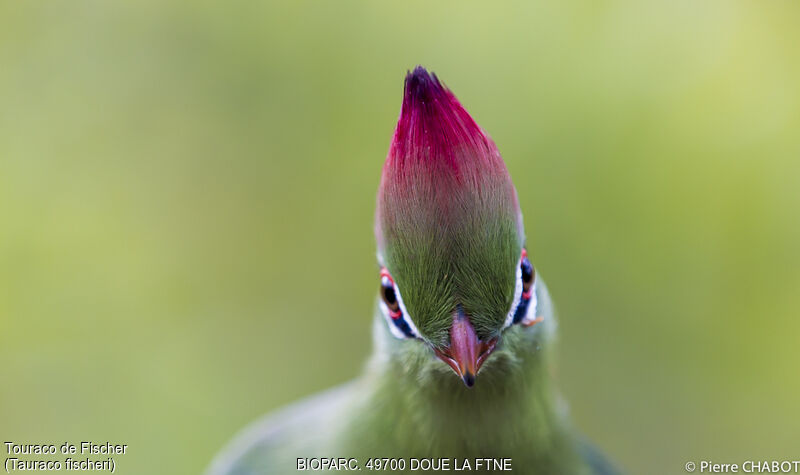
(466, 352)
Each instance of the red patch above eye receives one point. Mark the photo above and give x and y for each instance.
(385, 273)
(524, 253)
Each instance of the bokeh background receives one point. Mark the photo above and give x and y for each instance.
(187, 190)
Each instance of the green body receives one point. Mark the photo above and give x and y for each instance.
(408, 404)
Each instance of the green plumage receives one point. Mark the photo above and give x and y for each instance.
(409, 404)
(472, 265)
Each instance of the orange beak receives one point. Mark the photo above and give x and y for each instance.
(466, 352)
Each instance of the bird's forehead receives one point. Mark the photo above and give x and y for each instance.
(429, 248)
(443, 227)
(472, 265)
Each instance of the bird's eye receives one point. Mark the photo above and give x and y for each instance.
(528, 273)
(524, 308)
(389, 296)
(393, 310)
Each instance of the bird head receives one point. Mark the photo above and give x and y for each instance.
(454, 272)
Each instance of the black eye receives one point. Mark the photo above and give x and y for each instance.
(398, 324)
(388, 295)
(527, 273)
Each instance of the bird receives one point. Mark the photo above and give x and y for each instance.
(462, 326)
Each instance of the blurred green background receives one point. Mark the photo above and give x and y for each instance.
(187, 190)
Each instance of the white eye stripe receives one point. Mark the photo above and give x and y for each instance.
(392, 327)
(405, 317)
(530, 312)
